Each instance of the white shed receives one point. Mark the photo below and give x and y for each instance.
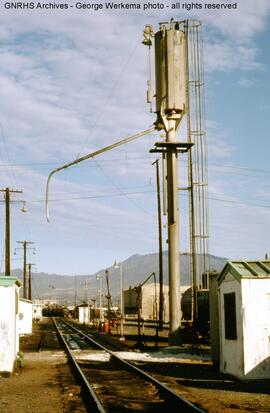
(37, 310)
(9, 317)
(84, 314)
(25, 316)
(244, 319)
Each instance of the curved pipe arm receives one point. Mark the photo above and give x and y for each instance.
(153, 274)
(92, 155)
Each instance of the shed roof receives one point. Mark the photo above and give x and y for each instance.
(26, 300)
(7, 281)
(246, 269)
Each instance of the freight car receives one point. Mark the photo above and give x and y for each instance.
(203, 321)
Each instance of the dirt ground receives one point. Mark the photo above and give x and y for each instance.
(199, 381)
(202, 385)
(45, 384)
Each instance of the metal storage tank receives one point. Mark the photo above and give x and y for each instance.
(171, 83)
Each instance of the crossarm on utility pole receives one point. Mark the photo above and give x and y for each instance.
(92, 155)
(7, 192)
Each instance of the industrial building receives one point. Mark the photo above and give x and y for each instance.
(149, 301)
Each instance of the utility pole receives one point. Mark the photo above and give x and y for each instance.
(25, 248)
(7, 252)
(7, 192)
(30, 281)
(122, 300)
(75, 293)
(109, 300)
(99, 277)
(94, 310)
(160, 317)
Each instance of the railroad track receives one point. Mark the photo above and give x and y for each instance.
(113, 385)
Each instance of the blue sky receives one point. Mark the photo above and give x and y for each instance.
(74, 81)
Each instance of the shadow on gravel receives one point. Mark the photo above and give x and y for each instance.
(207, 377)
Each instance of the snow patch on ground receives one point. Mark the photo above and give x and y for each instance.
(98, 355)
(166, 355)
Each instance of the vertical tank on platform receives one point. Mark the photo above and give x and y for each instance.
(170, 71)
(9, 331)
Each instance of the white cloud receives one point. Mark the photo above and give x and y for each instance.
(219, 142)
(241, 25)
(71, 83)
(238, 230)
(228, 56)
(246, 83)
(264, 108)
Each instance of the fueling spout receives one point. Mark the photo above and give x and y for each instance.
(89, 156)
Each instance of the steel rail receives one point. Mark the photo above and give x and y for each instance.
(41, 342)
(177, 401)
(93, 398)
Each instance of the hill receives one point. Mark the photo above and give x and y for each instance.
(68, 289)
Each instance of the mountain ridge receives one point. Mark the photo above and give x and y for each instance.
(136, 268)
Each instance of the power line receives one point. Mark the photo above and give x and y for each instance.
(9, 173)
(81, 165)
(247, 168)
(12, 259)
(133, 159)
(109, 95)
(125, 193)
(239, 202)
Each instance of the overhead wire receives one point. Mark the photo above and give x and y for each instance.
(5, 146)
(108, 97)
(97, 118)
(234, 201)
(95, 124)
(124, 193)
(139, 159)
(12, 177)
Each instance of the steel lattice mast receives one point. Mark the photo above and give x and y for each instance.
(197, 162)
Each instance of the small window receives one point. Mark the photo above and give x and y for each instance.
(230, 316)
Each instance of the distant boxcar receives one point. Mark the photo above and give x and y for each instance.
(203, 309)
